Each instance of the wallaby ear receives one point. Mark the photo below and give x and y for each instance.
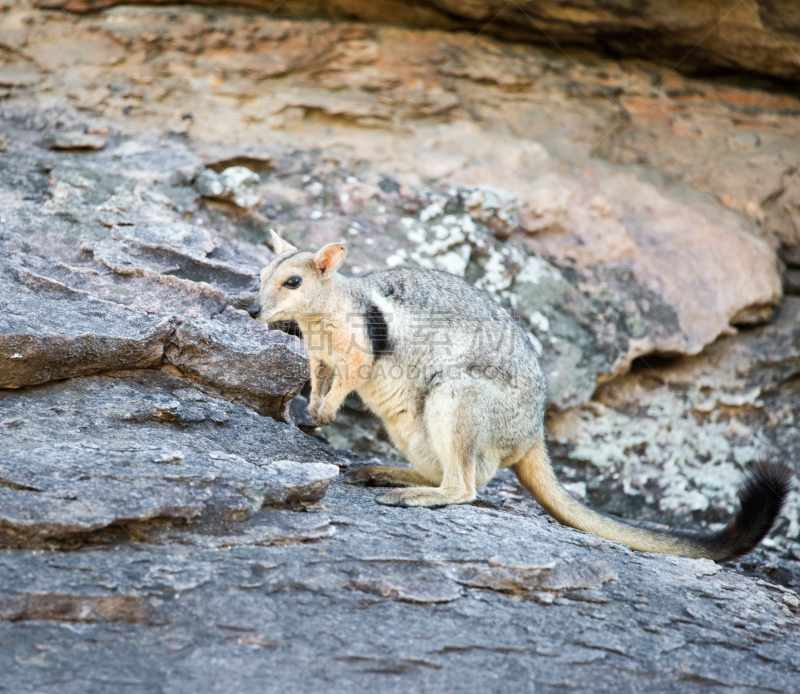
(279, 245)
(329, 259)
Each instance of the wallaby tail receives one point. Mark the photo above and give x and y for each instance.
(761, 497)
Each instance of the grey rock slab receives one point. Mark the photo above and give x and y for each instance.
(292, 482)
(300, 414)
(98, 275)
(150, 446)
(377, 605)
(138, 287)
(265, 529)
(133, 220)
(128, 254)
(49, 331)
(242, 358)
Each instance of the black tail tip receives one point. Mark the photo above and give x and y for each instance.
(761, 498)
(766, 487)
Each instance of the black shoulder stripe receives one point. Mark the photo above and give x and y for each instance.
(377, 330)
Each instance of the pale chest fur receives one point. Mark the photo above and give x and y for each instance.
(388, 397)
(332, 341)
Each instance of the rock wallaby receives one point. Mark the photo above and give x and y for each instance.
(461, 393)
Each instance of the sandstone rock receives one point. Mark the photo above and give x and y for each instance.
(152, 448)
(243, 359)
(687, 132)
(673, 252)
(546, 207)
(783, 214)
(49, 332)
(764, 38)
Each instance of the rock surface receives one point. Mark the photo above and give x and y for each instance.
(150, 448)
(97, 275)
(459, 599)
(49, 331)
(731, 405)
(761, 36)
(162, 531)
(246, 361)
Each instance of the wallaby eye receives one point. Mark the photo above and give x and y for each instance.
(293, 282)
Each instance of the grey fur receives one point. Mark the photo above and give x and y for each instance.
(454, 336)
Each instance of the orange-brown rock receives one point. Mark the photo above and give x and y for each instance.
(762, 36)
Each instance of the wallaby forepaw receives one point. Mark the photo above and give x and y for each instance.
(326, 417)
(323, 414)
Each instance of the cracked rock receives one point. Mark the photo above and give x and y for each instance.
(244, 359)
(151, 447)
(49, 332)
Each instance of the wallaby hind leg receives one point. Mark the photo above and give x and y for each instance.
(457, 487)
(450, 437)
(381, 476)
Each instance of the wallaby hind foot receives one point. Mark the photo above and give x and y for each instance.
(428, 497)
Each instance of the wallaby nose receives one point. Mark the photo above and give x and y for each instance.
(254, 310)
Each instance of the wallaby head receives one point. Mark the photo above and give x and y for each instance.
(296, 283)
